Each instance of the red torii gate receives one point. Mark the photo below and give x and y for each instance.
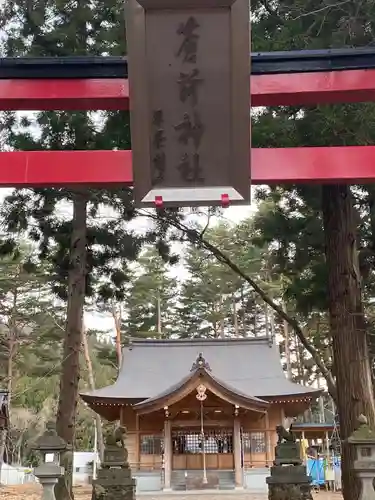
(289, 78)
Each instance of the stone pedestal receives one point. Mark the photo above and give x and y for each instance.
(113, 484)
(48, 475)
(288, 479)
(288, 454)
(114, 480)
(289, 482)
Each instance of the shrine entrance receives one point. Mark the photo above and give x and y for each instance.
(188, 449)
(202, 429)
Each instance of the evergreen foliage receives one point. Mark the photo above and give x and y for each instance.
(314, 229)
(151, 299)
(84, 255)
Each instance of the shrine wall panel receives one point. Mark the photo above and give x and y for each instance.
(150, 462)
(275, 416)
(131, 445)
(151, 422)
(128, 418)
(259, 437)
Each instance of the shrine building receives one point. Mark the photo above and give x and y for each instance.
(171, 393)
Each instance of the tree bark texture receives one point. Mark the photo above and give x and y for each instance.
(235, 317)
(350, 348)
(158, 313)
(4, 432)
(287, 346)
(222, 322)
(90, 371)
(70, 368)
(12, 351)
(117, 320)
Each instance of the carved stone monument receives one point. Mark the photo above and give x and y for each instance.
(114, 481)
(49, 472)
(363, 440)
(288, 480)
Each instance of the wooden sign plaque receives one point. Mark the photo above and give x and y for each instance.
(189, 86)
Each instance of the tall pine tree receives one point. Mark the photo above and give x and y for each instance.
(150, 307)
(329, 224)
(78, 246)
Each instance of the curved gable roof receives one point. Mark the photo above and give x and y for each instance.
(200, 373)
(249, 366)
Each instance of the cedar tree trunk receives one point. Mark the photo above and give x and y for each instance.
(117, 319)
(350, 349)
(90, 371)
(287, 346)
(12, 345)
(4, 432)
(70, 368)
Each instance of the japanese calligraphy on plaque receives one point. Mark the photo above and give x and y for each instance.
(191, 128)
(190, 100)
(158, 158)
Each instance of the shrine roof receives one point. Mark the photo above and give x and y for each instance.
(250, 367)
(201, 378)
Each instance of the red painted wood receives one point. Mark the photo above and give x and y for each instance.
(269, 166)
(112, 94)
(75, 95)
(313, 88)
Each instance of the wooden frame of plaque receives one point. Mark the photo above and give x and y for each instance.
(189, 86)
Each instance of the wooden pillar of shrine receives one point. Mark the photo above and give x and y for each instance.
(237, 453)
(269, 452)
(167, 454)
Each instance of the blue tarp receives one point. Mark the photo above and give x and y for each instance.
(315, 469)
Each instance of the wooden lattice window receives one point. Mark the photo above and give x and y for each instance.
(254, 442)
(218, 441)
(152, 445)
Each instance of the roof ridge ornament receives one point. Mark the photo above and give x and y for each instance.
(200, 363)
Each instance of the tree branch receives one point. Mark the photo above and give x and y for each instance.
(289, 319)
(313, 12)
(196, 238)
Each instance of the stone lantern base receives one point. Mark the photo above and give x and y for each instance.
(114, 484)
(114, 481)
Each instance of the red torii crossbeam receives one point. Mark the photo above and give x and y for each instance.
(292, 89)
(269, 166)
(352, 164)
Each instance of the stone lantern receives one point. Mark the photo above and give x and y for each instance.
(48, 472)
(363, 440)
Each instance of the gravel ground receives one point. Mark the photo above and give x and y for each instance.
(32, 492)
